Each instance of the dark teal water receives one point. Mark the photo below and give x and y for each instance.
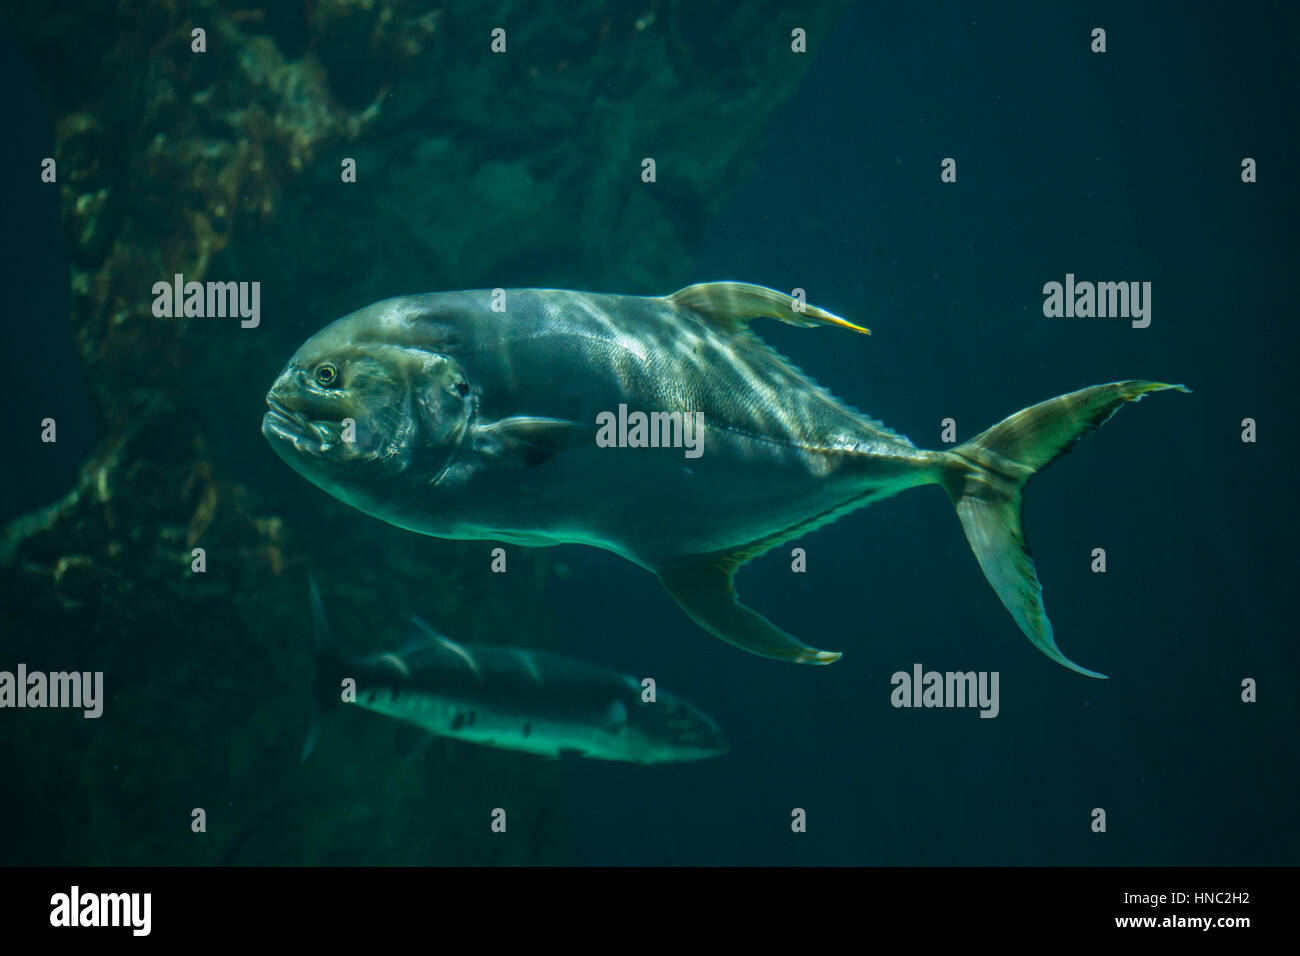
(1122, 166)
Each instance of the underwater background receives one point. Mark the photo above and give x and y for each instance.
(817, 170)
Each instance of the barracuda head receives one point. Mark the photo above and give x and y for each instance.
(367, 417)
(671, 730)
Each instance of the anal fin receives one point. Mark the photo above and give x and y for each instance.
(705, 592)
(411, 741)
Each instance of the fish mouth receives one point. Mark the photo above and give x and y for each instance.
(702, 750)
(704, 740)
(715, 745)
(284, 424)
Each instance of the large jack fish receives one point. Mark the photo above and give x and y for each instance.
(451, 417)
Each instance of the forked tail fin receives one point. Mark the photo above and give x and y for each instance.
(987, 493)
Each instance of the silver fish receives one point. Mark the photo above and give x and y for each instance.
(510, 698)
(479, 415)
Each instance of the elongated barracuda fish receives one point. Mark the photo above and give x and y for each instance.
(510, 698)
(505, 416)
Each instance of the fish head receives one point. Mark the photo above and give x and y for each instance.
(669, 729)
(368, 415)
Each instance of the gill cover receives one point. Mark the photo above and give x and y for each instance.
(444, 405)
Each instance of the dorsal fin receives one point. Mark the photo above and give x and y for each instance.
(730, 305)
(391, 662)
(432, 638)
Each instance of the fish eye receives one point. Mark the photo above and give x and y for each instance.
(462, 389)
(327, 375)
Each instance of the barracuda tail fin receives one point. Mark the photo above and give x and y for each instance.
(986, 487)
(326, 653)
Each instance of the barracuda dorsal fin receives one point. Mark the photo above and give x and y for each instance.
(431, 638)
(731, 305)
(705, 592)
(388, 661)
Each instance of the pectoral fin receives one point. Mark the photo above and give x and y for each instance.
(705, 593)
(528, 441)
